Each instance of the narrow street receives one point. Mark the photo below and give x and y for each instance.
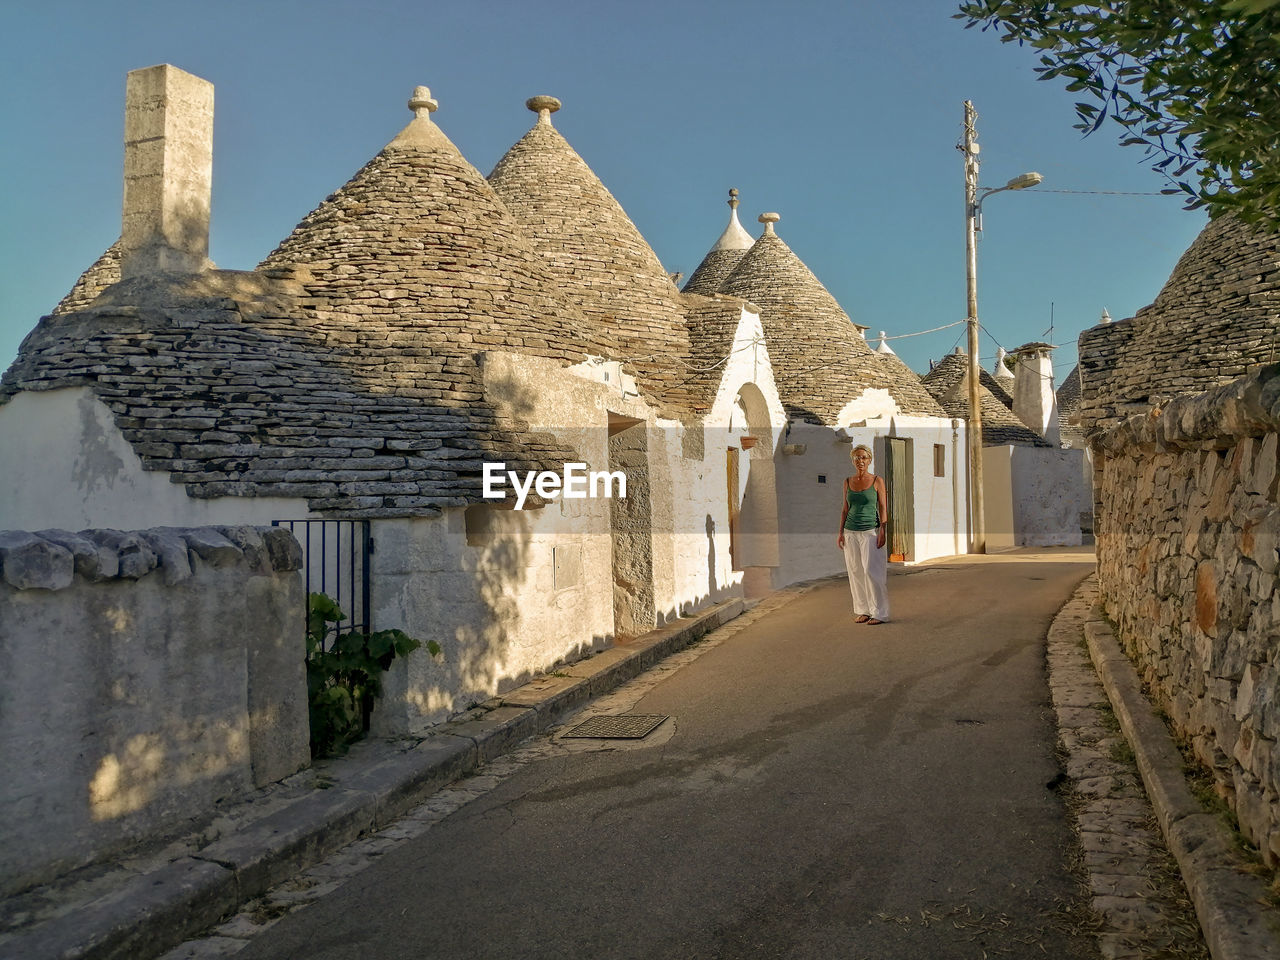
(821, 790)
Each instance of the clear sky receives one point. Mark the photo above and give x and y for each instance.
(841, 115)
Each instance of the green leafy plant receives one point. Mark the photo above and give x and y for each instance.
(344, 674)
(1195, 85)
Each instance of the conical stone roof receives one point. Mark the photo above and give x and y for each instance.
(226, 383)
(1069, 394)
(344, 370)
(101, 274)
(948, 382)
(724, 256)
(419, 240)
(605, 267)
(1069, 408)
(1214, 319)
(820, 359)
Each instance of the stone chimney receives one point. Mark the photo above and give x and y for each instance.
(168, 172)
(1034, 400)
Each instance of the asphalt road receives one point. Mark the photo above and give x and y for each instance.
(822, 790)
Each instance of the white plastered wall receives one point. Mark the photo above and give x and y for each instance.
(64, 464)
(507, 594)
(1048, 494)
(810, 484)
(687, 478)
(1033, 496)
(997, 497)
(702, 567)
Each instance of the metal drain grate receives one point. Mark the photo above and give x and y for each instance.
(626, 727)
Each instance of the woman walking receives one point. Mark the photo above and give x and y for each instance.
(862, 532)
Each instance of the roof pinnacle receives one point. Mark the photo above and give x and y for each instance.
(768, 219)
(733, 198)
(543, 106)
(421, 103)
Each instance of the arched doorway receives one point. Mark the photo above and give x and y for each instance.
(752, 492)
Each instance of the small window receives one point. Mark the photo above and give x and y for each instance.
(939, 460)
(822, 478)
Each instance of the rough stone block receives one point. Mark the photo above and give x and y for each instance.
(92, 561)
(1264, 466)
(136, 558)
(33, 563)
(171, 550)
(283, 549)
(250, 542)
(210, 546)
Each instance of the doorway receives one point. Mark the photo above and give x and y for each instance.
(899, 474)
(634, 609)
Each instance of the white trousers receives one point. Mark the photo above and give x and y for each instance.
(866, 565)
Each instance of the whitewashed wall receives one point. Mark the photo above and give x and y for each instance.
(64, 464)
(1048, 494)
(688, 481)
(997, 497)
(145, 677)
(941, 525)
(810, 508)
(505, 593)
(1033, 496)
(746, 405)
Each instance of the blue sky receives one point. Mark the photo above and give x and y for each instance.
(841, 116)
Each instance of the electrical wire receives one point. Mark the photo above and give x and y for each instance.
(1106, 193)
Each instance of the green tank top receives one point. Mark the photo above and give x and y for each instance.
(864, 509)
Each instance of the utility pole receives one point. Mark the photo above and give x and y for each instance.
(978, 520)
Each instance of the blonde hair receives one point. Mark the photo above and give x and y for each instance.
(862, 446)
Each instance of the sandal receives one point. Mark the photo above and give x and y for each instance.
(873, 620)
(862, 619)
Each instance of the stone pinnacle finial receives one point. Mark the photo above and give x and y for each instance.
(1001, 370)
(733, 198)
(421, 103)
(543, 106)
(768, 219)
(1106, 317)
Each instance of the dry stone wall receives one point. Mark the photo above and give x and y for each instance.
(145, 676)
(1187, 559)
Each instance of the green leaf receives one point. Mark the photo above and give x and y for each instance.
(341, 678)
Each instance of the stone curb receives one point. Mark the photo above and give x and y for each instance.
(368, 790)
(1227, 900)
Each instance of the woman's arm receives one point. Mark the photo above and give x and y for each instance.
(844, 512)
(882, 512)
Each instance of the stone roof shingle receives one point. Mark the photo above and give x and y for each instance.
(820, 359)
(1214, 320)
(419, 240)
(101, 274)
(222, 381)
(948, 382)
(724, 256)
(346, 369)
(603, 265)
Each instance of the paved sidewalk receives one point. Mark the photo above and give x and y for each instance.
(1125, 786)
(1142, 906)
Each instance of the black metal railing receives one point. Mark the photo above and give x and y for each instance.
(336, 562)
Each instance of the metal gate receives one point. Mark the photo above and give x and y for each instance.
(336, 562)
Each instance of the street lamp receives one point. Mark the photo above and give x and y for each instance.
(973, 223)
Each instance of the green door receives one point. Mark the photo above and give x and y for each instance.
(901, 505)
